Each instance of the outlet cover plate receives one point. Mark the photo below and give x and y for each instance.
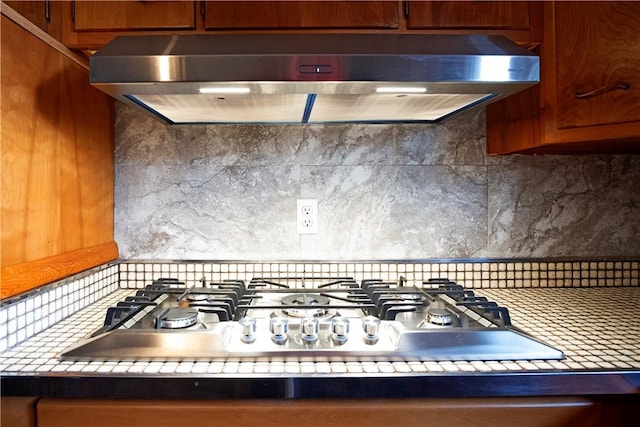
(307, 216)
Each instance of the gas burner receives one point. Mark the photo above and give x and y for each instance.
(438, 316)
(305, 305)
(404, 295)
(177, 318)
(199, 294)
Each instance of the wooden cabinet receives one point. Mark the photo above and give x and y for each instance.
(18, 411)
(301, 14)
(132, 15)
(489, 412)
(589, 96)
(519, 20)
(92, 24)
(44, 14)
(57, 162)
(597, 65)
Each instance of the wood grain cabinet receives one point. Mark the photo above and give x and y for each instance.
(17, 411)
(132, 15)
(480, 412)
(301, 14)
(518, 20)
(597, 63)
(57, 155)
(589, 96)
(92, 24)
(46, 15)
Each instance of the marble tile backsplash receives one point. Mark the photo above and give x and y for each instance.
(384, 192)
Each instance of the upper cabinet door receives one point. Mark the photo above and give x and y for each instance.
(598, 63)
(130, 15)
(588, 99)
(220, 15)
(520, 20)
(468, 14)
(35, 11)
(46, 15)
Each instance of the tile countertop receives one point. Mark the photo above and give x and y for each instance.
(598, 329)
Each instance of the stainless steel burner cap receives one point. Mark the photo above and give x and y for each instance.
(305, 305)
(199, 294)
(177, 318)
(438, 316)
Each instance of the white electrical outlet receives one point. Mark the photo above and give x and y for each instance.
(307, 216)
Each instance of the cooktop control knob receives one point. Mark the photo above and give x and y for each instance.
(309, 328)
(279, 326)
(248, 325)
(340, 329)
(371, 328)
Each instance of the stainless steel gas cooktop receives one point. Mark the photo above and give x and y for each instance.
(303, 318)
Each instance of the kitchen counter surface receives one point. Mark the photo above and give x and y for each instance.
(598, 329)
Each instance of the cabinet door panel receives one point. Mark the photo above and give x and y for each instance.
(18, 411)
(523, 412)
(590, 57)
(34, 11)
(468, 14)
(301, 14)
(133, 15)
(57, 151)
(30, 107)
(46, 15)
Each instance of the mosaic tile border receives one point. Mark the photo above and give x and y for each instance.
(485, 274)
(28, 314)
(24, 316)
(589, 343)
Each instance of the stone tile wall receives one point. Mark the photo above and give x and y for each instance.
(229, 192)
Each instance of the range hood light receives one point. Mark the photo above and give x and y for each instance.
(225, 90)
(391, 89)
(164, 69)
(495, 69)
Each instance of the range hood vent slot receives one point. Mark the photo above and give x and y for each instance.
(311, 78)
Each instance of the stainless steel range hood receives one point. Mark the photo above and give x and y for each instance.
(311, 78)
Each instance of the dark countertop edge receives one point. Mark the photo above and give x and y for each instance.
(320, 387)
